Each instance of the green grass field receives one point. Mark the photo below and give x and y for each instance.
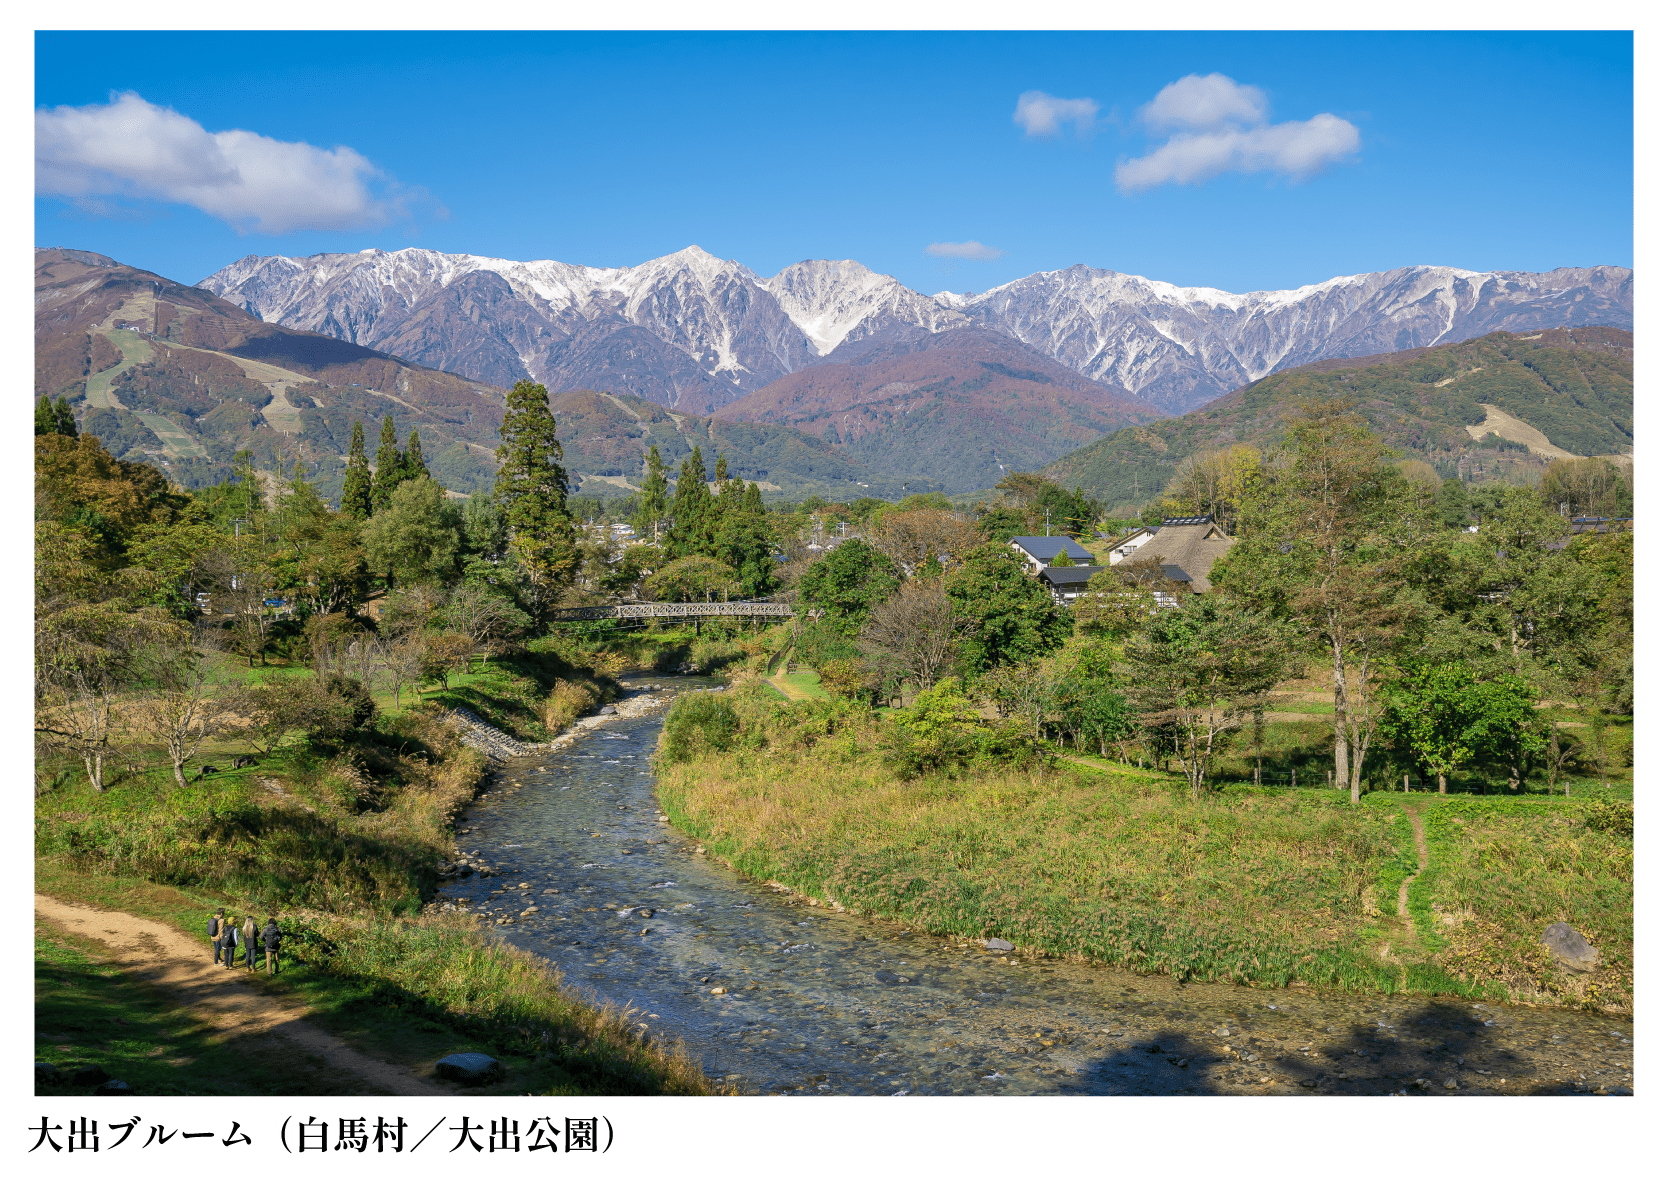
(1263, 886)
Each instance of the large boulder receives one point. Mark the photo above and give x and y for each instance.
(470, 1068)
(1001, 945)
(115, 1089)
(1569, 949)
(90, 1075)
(46, 1074)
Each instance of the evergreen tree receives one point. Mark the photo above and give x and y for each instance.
(532, 490)
(691, 510)
(415, 468)
(55, 418)
(391, 467)
(356, 485)
(651, 502)
(744, 538)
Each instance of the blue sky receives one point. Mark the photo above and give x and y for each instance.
(1273, 159)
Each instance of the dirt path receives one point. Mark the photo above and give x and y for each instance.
(1420, 848)
(167, 959)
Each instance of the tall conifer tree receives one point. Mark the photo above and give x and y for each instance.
(415, 467)
(391, 466)
(356, 484)
(532, 490)
(691, 506)
(651, 504)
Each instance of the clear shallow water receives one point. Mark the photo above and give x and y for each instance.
(819, 1002)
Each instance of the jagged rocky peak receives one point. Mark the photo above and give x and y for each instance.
(834, 302)
(690, 329)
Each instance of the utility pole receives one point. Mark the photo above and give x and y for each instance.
(1045, 522)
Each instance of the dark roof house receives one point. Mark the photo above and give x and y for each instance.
(1186, 546)
(1065, 583)
(1040, 551)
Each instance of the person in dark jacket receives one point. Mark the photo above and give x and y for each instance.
(247, 934)
(216, 927)
(229, 942)
(270, 938)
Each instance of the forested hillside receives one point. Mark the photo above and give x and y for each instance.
(1574, 385)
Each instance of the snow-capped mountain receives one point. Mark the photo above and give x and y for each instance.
(694, 332)
(1180, 347)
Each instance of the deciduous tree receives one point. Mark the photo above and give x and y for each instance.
(1015, 617)
(1200, 672)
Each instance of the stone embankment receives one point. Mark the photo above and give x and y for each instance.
(501, 747)
(494, 743)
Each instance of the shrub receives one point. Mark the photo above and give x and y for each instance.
(568, 699)
(353, 706)
(1616, 818)
(696, 723)
(941, 730)
(710, 655)
(848, 678)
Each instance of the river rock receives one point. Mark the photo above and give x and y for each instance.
(607, 711)
(1569, 949)
(46, 1074)
(115, 1089)
(890, 977)
(998, 944)
(468, 1067)
(90, 1075)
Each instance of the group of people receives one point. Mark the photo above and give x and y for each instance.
(226, 936)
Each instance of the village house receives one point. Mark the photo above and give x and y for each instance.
(1186, 547)
(1064, 583)
(1040, 551)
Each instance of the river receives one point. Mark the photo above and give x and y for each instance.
(777, 996)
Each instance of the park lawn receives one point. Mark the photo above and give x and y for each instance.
(800, 686)
(1264, 886)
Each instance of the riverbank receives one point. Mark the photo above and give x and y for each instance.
(344, 843)
(1261, 887)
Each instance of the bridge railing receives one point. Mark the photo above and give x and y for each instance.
(675, 610)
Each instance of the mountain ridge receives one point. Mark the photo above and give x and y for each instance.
(961, 407)
(698, 332)
(1574, 385)
(175, 376)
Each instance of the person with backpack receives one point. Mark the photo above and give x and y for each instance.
(270, 938)
(249, 940)
(215, 925)
(228, 942)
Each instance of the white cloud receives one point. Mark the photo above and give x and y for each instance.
(968, 251)
(1042, 114)
(1201, 103)
(1221, 126)
(133, 148)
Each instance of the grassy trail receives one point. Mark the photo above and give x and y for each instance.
(225, 1002)
(1419, 847)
